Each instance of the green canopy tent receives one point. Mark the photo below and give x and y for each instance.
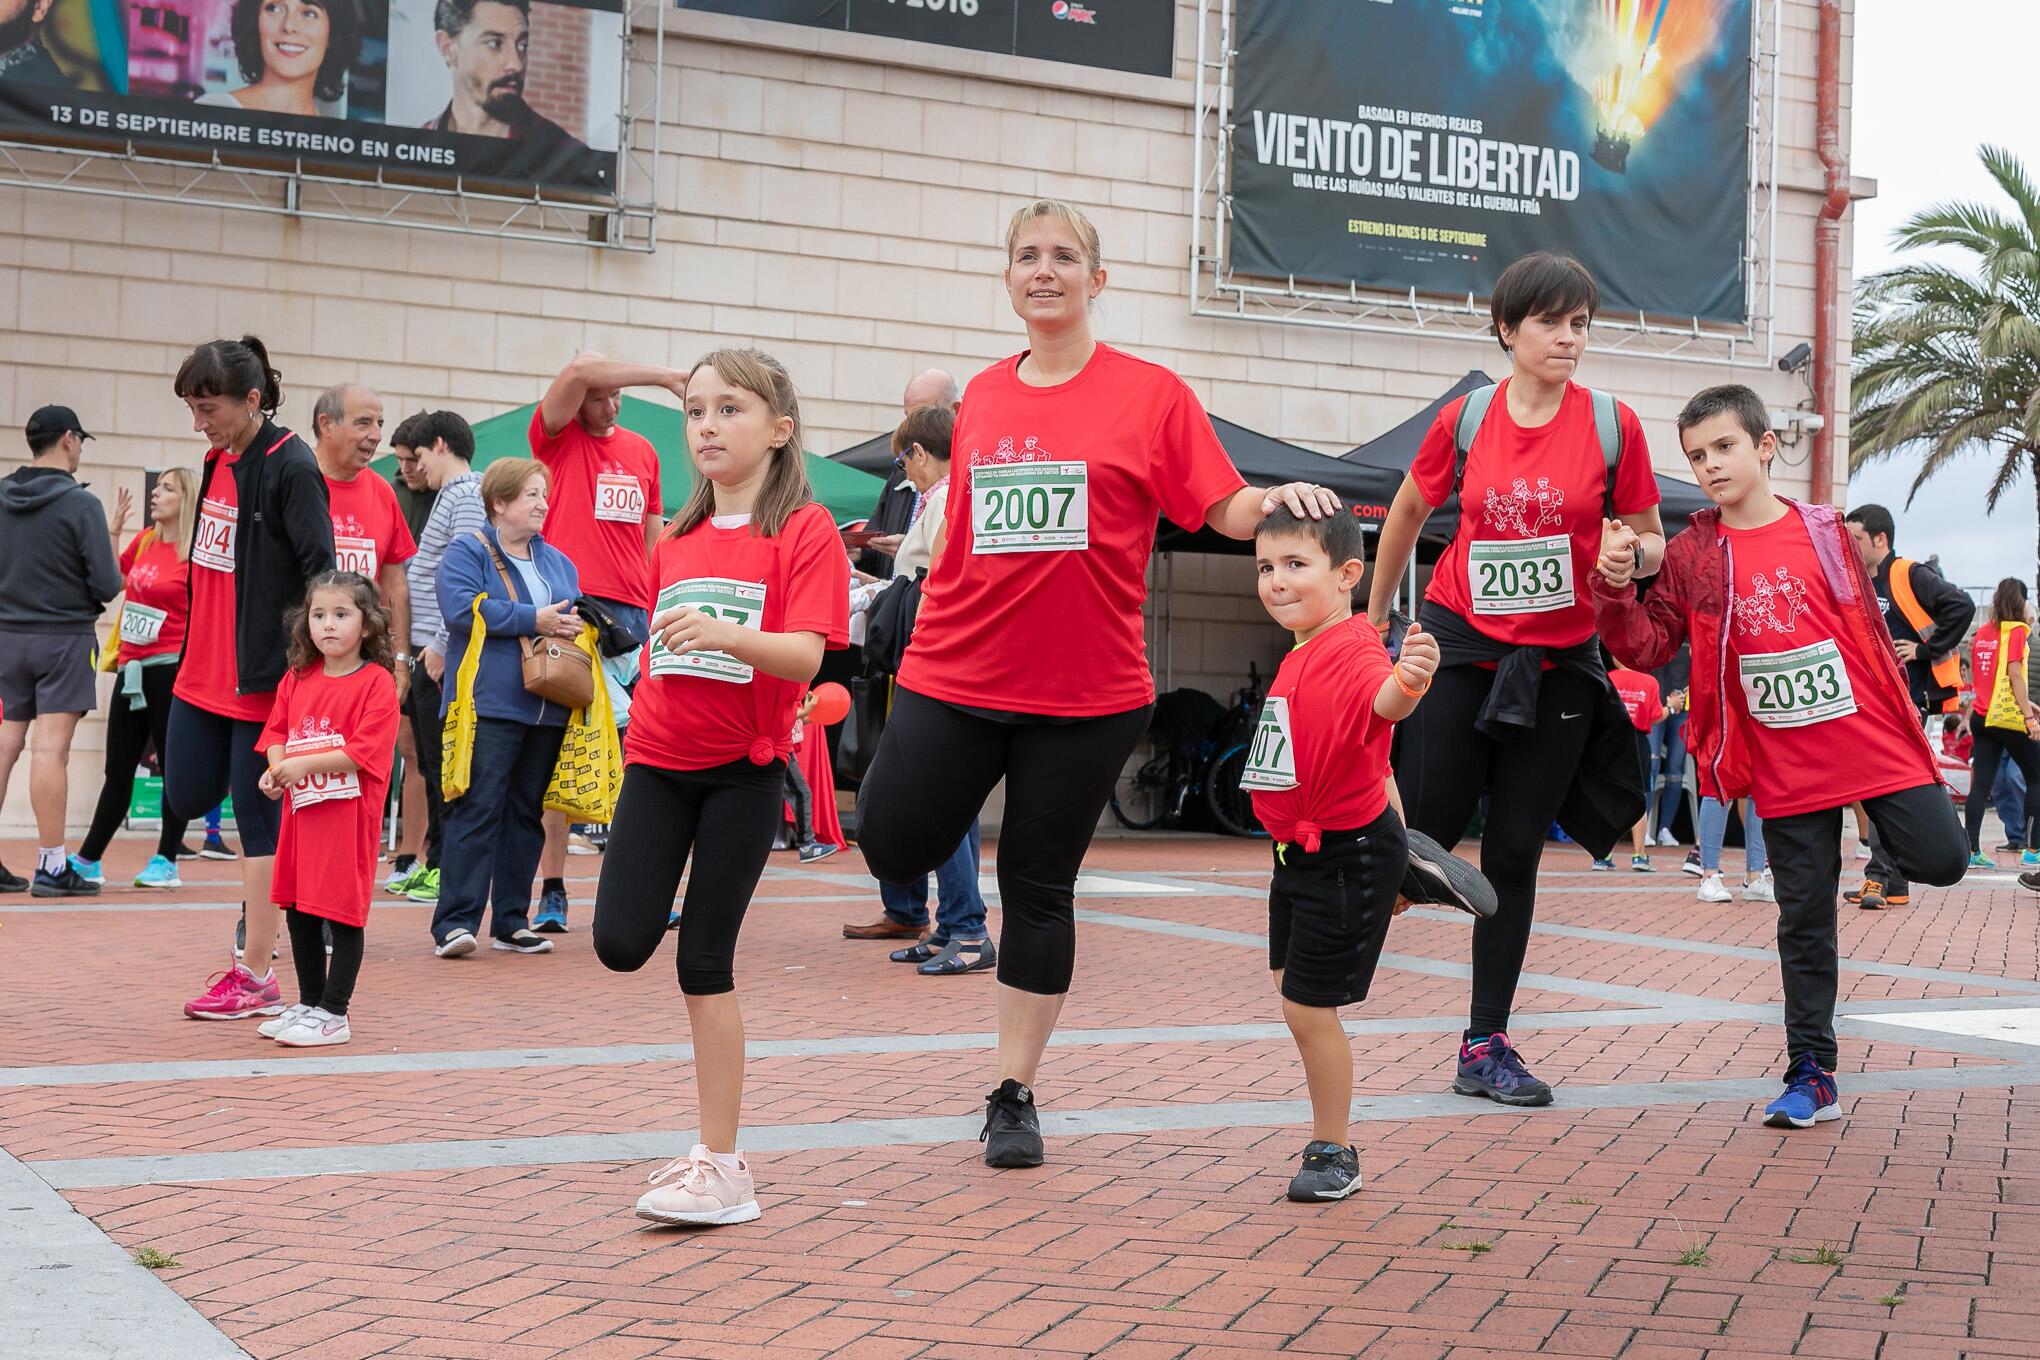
(847, 493)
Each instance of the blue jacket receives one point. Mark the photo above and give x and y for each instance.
(468, 570)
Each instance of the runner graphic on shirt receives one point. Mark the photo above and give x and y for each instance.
(1775, 603)
(1525, 511)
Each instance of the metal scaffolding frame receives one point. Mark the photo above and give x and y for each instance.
(628, 222)
(1217, 291)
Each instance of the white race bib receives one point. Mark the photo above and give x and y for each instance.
(212, 540)
(1520, 576)
(619, 498)
(1029, 507)
(738, 602)
(140, 625)
(320, 788)
(1271, 761)
(1799, 688)
(354, 554)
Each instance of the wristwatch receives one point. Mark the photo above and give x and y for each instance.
(406, 660)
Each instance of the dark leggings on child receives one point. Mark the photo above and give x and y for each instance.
(1444, 766)
(327, 983)
(936, 765)
(129, 731)
(730, 813)
(1991, 744)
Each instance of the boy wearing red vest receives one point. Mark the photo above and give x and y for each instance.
(1791, 663)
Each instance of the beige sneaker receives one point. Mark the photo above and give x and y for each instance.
(701, 1192)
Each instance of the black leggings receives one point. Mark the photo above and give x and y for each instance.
(661, 816)
(323, 982)
(206, 757)
(1991, 743)
(1443, 767)
(936, 765)
(128, 734)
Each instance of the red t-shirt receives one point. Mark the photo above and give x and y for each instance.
(369, 532)
(706, 709)
(1526, 493)
(157, 600)
(326, 850)
(1993, 640)
(1804, 685)
(602, 489)
(209, 674)
(1034, 605)
(1641, 697)
(1322, 707)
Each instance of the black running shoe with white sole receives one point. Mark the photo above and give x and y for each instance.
(1329, 1171)
(1012, 1133)
(1436, 876)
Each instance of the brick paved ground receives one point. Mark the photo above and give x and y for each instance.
(457, 1182)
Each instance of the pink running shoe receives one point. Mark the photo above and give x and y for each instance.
(235, 995)
(703, 1193)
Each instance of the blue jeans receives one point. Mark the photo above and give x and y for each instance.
(1667, 762)
(2008, 797)
(959, 908)
(495, 832)
(1714, 826)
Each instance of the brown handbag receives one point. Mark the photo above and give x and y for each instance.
(555, 670)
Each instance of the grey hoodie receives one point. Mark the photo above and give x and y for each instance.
(57, 568)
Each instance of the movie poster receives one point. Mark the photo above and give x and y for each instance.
(1425, 144)
(502, 94)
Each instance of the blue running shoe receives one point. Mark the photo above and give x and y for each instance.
(2029, 859)
(1979, 860)
(160, 873)
(1810, 1098)
(1492, 1068)
(552, 912)
(89, 870)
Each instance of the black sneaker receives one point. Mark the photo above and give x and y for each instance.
(10, 883)
(1437, 876)
(2030, 881)
(1012, 1135)
(69, 883)
(1329, 1172)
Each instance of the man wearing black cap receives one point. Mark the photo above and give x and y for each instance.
(57, 573)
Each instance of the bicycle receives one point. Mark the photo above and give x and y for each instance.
(1193, 747)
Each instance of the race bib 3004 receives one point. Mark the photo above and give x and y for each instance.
(355, 554)
(738, 602)
(212, 540)
(1798, 688)
(140, 625)
(619, 498)
(1271, 761)
(1520, 576)
(314, 789)
(1029, 507)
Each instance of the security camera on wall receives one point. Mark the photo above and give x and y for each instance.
(1796, 358)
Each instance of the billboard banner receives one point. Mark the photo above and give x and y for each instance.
(500, 94)
(1425, 144)
(1119, 35)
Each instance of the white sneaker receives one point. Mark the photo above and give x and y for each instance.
(1760, 889)
(315, 1029)
(1862, 851)
(1665, 838)
(458, 945)
(269, 1029)
(702, 1192)
(1713, 890)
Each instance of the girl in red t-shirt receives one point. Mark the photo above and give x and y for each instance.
(328, 740)
(1501, 719)
(150, 635)
(1027, 662)
(752, 586)
(2002, 721)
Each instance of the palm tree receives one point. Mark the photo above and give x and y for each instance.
(1947, 351)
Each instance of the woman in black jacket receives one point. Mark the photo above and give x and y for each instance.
(263, 530)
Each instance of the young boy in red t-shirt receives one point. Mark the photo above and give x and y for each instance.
(1792, 664)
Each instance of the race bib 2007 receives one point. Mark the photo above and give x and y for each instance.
(212, 540)
(619, 498)
(140, 625)
(738, 602)
(1520, 576)
(1271, 760)
(354, 554)
(314, 789)
(1798, 688)
(1029, 507)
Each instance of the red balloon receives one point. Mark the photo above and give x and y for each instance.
(832, 704)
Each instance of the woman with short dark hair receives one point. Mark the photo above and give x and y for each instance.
(294, 54)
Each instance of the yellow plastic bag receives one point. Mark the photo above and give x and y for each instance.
(457, 736)
(589, 773)
(2003, 712)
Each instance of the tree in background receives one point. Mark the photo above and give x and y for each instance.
(1947, 348)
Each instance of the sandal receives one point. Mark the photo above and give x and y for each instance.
(917, 953)
(960, 956)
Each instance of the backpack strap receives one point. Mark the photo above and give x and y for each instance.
(1607, 431)
(1472, 412)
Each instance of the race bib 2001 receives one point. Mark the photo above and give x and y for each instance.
(140, 625)
(1271, 761)
(619, 498)
(314, 789)
(1029, 507)
(1520, 576)
(1798, 688)
(738, 602)
(212, 540)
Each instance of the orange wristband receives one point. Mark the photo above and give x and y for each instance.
(1395, 674)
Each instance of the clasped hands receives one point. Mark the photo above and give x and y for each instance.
(1621, 551)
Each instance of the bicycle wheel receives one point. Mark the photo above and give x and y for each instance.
(1146, 791)
(1231, 807)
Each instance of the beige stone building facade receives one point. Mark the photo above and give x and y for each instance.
(836, 199)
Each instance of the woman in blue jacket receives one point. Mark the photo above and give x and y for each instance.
(493, 833)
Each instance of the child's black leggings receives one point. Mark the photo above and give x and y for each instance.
(323, 982)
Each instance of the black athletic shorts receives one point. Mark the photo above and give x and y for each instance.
(1328, 912)
(46, 673)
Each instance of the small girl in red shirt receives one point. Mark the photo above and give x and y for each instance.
(329, 740)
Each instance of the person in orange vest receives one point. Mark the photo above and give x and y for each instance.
(1928, 617)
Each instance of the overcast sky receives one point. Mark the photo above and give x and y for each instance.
(1933, 81)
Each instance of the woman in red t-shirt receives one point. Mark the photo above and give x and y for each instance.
(2002, 720)
(752, 587)
(155, 603)
(1027, 661)
(1521, 695)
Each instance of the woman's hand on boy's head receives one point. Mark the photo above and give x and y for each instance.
(1619, 552)
(1305, 500)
